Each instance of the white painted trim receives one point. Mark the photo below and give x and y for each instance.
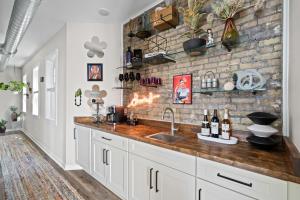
(72, 167)
(143, 10)
(285, 68)
(44, 149)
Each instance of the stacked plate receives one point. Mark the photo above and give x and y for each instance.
(263, 133)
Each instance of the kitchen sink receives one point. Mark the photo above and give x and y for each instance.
(166, 137)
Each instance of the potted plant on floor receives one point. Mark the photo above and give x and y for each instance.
(193, 18)
(2, 126)
(14, 115)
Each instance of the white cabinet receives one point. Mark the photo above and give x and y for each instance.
(110, 167)
(150, 180)
(245, 182)
(98, 161)
(140, 178)
(171, 184)
(209, 191)
(117, 171)
(82, 138)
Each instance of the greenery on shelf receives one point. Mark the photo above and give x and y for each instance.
(14, 86)
(193, 17)
(226, 9)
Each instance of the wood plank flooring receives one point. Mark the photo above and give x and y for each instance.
(86, 186)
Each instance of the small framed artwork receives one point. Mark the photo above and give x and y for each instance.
(95, 72)
(182, 89)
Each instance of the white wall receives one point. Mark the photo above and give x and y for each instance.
(47, 134)
(8, 98)
(57, 139)
(294, 73)
(77, 35)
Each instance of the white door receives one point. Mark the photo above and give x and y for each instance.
(209, 191)
(117, 171)
(99, 152)
(83, 144)
(170, 184)
(140, 182)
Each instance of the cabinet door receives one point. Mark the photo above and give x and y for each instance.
(98, 161)
(139, 178)
(117, 171)
(209, 191)
(170, 184)
(83, 144)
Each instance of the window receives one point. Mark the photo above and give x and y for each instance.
(50, 79)
(35, 91)
(24, 96)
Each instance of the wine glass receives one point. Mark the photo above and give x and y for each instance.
(138, 76)
(131, 76)
(126, 77)
(121, 78)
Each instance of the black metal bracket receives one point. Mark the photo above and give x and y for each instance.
(162, 19)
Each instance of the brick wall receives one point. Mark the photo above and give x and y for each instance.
(260, 48)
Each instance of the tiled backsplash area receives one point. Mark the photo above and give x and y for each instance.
(260, 48)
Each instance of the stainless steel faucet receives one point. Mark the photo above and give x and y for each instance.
(173, 129)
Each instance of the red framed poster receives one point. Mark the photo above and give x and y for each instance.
(182, 89)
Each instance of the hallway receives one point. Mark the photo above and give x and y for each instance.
(27, 173)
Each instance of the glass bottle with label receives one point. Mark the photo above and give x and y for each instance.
(205, 128)
(226, 126)
(215, 125)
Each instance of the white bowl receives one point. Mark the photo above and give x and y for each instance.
(262, 130)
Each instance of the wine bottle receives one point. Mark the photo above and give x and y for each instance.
(226, 126)
(129, 56)
(205, 128)
(215, 125)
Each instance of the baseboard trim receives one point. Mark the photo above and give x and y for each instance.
(72, 167)
(44, 149)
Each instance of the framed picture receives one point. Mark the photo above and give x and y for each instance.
(182, 89)
(95, 72)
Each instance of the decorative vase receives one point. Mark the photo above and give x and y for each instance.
(230, 35)
(14, 116)
(195, 46)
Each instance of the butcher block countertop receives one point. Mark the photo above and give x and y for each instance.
(282, 162)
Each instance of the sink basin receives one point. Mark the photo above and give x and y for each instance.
(165, 137)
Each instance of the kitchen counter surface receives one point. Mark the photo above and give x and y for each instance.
(279, 163)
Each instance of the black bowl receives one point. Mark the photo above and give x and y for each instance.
(262, 118)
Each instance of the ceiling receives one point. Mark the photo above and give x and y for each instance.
(53, 14)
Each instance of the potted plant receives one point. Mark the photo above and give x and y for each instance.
(14, 115)
(193, 18)
(226, 10)
(2, 126)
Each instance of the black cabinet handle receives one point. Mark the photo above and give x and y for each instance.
(151, 186)
(103, 156)
(199, 194)
(234, 180)
(156, 181)
(107, 157)
(108, 139)
(74, 132)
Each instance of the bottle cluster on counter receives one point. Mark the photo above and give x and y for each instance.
(214, 128)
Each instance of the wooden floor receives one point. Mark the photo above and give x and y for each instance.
(87, 186)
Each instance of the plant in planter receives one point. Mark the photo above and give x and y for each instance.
(193, 18)
(2, 126)
(14, 115)
(14, 86)
(226, 10)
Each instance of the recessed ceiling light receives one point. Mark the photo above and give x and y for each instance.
(103, 12)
